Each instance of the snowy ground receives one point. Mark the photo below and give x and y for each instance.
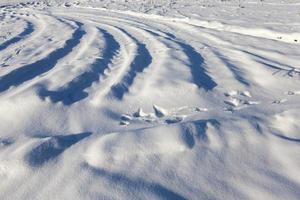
(149, 99)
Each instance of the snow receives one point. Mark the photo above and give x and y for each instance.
(149, 99)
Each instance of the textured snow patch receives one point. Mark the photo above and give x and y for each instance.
(123, 148)
(287, 124)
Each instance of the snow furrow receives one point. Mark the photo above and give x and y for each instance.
(74, 90)
(28, 72)
(26, 33)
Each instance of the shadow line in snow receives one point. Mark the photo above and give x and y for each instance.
(198, 71)
(74, 90)
(279, 67)
(199, 74)
(287, 138)
(136, 184)
(141, 61)
(291, 71)
(27, 31)
(235, 70)
(30, 71)
(52, 148)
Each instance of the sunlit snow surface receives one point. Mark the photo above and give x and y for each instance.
(149, 100)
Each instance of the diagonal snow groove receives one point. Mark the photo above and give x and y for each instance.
(28, 72)
(74, 90)
(26, 32)
(196, 62)
(141, 61)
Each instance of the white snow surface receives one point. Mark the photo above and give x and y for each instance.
(149, 99)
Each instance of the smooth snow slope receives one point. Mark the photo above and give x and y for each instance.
(149, 100)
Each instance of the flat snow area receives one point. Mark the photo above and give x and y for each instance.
(175, 99)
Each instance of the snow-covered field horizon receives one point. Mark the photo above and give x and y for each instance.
(151, 99)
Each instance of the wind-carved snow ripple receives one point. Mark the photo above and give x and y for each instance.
(52, 147)
(199, 74)
(142, 60)
(279, 68)
(74, 91)
(26, 32)
(235, 70)
(28, 72)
